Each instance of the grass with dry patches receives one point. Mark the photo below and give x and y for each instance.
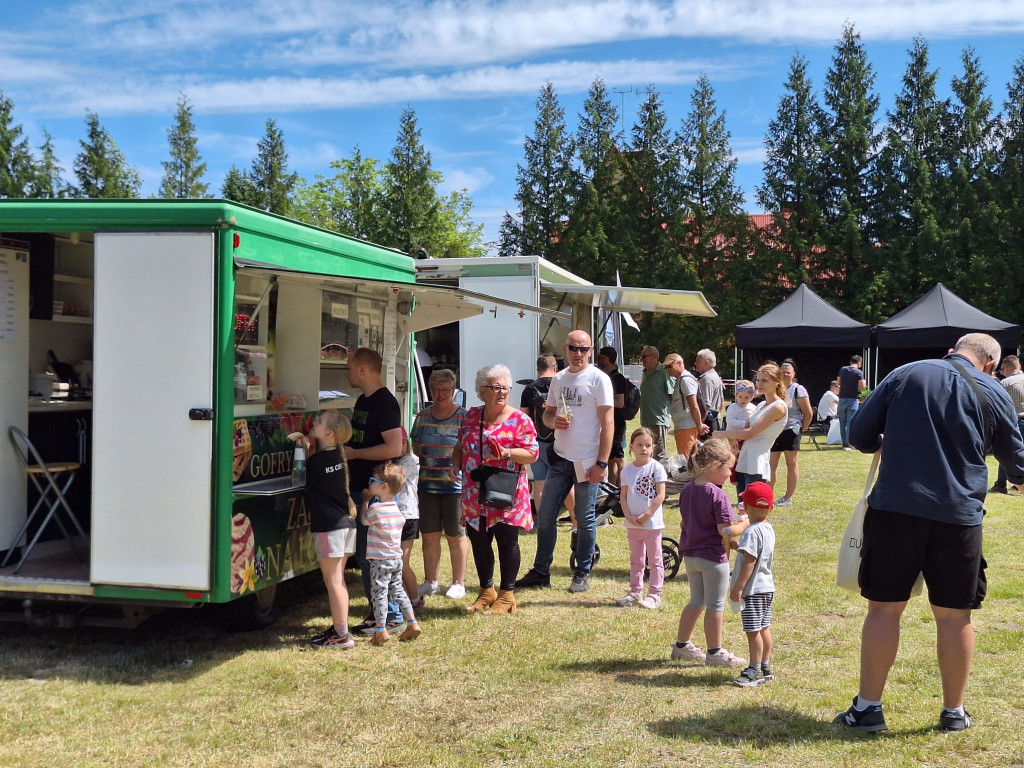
(571, 680)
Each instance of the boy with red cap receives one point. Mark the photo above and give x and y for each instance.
(753, 584)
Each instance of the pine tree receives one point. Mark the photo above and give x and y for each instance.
(848, 137)
(272, 182)
(906, 218)
(596, 134)
(792, 190)
(47, 181)
(1008, 302)
(16, 165)
(545, 184)
(510, 236)
(716, 230)
(410, 191)
(587, 244)
(965, 197)
(649, 211)
(184, 172)
(101, 168)
(239, 187)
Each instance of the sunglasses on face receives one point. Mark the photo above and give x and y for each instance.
(376, 480)
(574, 348)
(497, 388)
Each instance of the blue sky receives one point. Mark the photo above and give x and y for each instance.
(335, 75)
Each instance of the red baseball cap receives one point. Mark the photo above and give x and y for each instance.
(758, 496)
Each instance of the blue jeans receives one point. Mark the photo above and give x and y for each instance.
(562, 477)
(847, 407)
(394, 615)
(1001, 475)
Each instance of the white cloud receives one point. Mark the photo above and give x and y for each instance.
(284, 94)
(469, 179)
(418, 34)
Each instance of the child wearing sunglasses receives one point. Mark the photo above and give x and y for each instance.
(384, 522)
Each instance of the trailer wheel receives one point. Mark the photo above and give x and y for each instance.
(256, 611)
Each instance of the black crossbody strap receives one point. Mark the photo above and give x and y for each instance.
(483, 461)
(982, 401)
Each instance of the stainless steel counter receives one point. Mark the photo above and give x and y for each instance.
(43, 405)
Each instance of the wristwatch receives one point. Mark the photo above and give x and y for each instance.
(602, 464)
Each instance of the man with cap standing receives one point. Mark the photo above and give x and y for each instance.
(606, 358)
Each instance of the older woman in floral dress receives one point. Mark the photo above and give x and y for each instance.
(496, 435)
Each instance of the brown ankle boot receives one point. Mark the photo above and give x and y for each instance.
(483, 601)
(506, 602)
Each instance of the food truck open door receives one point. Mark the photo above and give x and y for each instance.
(154, 361)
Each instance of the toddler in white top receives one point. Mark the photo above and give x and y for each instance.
(642, 493)
(737, 416)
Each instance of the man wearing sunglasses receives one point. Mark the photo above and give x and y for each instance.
(579, 410)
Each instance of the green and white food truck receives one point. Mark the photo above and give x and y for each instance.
(167, 348)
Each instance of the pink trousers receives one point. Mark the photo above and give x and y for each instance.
(645, 548)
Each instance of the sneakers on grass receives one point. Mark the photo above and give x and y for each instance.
(723, 658)
(651, 602)
(455, 592)
(953, 722)
(785, 501)
(628, 600)
(428, 588)
(688, 652)
(751, 677)
(329, 638)
(869, 720)
(580, 582)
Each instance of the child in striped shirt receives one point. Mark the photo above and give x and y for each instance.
(384, 522)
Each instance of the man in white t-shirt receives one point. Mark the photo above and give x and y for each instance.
(579, 409)
(828, 406)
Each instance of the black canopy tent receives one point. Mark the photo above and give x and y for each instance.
(930, 326)
(815, 335)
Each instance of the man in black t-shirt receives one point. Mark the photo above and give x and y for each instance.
(620, 385)
(376, 437)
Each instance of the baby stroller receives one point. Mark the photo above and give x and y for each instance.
(606, 509)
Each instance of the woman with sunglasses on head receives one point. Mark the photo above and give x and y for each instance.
(495, 435)
(435, 434)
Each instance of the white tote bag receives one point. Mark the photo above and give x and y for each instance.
(834, 436)
(849, 548)
(848, 568)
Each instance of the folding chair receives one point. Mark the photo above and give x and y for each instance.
(52, 481)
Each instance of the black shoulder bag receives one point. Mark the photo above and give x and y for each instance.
(498, 485)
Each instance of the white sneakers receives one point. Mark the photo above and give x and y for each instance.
(455, 592)
(428, 588)
(651, 602)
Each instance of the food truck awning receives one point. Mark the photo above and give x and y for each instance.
(626, 299)
(419, 306)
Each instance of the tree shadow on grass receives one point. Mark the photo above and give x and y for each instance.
(767, 725)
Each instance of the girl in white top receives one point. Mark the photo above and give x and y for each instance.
(767, 423)
(641, 493)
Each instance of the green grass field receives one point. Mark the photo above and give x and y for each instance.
(571, 680)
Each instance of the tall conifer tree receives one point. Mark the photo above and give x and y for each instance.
(545, 183)
(183, 173)
(848, 154)
(101, 168)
